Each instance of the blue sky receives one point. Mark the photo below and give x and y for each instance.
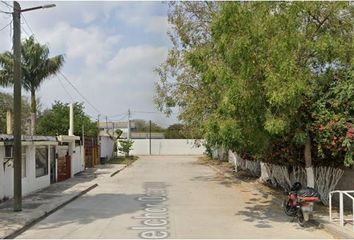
(110, 49)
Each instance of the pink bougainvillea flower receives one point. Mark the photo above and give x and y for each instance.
(321, 127)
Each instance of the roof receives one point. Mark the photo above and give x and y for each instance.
(26, 138)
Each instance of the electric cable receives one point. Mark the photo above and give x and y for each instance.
(6, 26)
(87, 101)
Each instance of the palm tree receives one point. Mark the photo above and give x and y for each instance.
(36, 67)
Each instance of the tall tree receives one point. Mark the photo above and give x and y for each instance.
(55, 121)
(36, 67)
(262, 65)
(278, 55)
(180, 85)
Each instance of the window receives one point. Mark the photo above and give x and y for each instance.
(41, 161)
(24, 161)
(8, 151)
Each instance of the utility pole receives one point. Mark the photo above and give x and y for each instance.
(128, 135)
(16, 15)
(17, 108)
(150, 137)
(98, 137)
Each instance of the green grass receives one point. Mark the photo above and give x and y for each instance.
(122, 160)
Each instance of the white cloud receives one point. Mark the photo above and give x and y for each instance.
(114, 77)
(90, 45)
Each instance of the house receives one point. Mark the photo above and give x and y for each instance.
(107, 130)
(39, 166)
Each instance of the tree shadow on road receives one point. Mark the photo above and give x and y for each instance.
(264, 209)
(263, 204)
(88, 209)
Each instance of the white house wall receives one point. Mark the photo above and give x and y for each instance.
(30, 183)
(166, 147)
(106, 147)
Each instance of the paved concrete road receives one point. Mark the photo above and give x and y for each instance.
(170, 197)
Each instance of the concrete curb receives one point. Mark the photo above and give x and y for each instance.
(118, 171)
(328, 227)
(335, 231)
(47, 213)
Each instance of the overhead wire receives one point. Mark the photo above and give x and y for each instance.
(29, 27)
(61, 73)
(7, 4)
(24, 30)
(117, 115)
(147, 112)
(67, 92)
(6, 26)
(72, 85)
(118, 119)
(1, 11)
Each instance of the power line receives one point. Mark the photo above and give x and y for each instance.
(67, 92)
(117, 115)
(28, 26)
(1, 11)
(87, 101)
(118, 119)
(6, 26)
(8, 5)
(151, 112)
(23, 29)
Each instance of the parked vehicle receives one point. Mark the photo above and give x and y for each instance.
(300, 202)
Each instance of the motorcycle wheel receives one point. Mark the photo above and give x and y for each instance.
(288, 209)
(300, 218)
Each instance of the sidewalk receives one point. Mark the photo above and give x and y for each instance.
(275, 197)
(42, 203)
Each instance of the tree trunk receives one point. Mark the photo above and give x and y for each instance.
(33, 111)
(308, 164)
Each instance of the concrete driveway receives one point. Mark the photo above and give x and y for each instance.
(170, 197)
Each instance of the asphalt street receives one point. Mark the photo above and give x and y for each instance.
(170, 197)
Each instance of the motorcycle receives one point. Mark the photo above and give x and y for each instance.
(299, 203)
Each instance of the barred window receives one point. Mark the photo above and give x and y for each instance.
(41, 161)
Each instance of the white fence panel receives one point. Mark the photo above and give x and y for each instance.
(77, 161)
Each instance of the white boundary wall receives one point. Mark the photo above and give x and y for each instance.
(106, 147)
(167, 147)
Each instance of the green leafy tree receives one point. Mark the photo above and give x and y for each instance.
(6, 103)
(180, 85)
(175, 131)
(249, 84)
(144, 126)
(126, 145)
(55, 121)
(36, 67)
(276, 57)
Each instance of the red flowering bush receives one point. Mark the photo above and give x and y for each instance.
(333, 118)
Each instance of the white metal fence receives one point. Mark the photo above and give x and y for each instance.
(341, 206)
